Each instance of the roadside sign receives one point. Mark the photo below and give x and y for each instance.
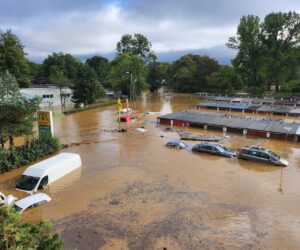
(45, 122)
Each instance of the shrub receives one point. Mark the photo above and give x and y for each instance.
(17, 235)
(32, 150)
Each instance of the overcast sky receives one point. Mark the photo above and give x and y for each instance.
(88, 27)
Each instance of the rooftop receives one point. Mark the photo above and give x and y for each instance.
(234, 121)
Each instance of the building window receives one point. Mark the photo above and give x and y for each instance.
(47, 96)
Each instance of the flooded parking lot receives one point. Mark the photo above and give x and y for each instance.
(134, 193)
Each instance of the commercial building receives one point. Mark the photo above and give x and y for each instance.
(246, 125)
(52, 96)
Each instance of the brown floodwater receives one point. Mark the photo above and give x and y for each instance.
(134, 193)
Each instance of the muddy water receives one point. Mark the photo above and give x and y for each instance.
(134, 193)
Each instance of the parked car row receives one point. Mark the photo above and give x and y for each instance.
(246, 153)
(39, 176)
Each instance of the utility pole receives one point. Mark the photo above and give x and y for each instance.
(132, 93)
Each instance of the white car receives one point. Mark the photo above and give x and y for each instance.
(7, 200)
(125, 111)
(31, 201)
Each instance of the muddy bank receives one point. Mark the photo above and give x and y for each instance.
(169, 215)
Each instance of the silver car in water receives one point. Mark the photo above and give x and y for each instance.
(262, 155)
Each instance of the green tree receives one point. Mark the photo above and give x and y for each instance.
(291, 87)
(189, 73)
(34, 69)
(13, 58)
(17, 235)
(124, 66)
(64, 62)
(86, 88)
(101, 66)
(154, 76)
(165, 70)
(224, 81)
(158, 74)
(137, 45)
(16, 111)
(281, 40)
(99, 90)
(57, 77)
(249, 60)
(205, 67)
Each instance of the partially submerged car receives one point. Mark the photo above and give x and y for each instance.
(31, 201)
(262, 155)
(125, 111)
(7, 200)
(178, 144)
(214, 148)
(43, 173)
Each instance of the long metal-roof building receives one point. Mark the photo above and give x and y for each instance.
(247, 125)
(250, 108)
(293, 102)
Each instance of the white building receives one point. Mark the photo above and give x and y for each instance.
(52, 96)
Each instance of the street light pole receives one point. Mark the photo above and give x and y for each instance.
(131, 90)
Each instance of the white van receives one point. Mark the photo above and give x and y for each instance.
(41, 174)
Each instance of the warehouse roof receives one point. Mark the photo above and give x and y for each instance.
(239, 106)
(235, 121)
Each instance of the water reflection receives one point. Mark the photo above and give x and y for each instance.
(166, 106)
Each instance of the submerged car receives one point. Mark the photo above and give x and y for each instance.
(263, 155)
(214, 148)
(31, 201)
(178, 144)
(43, 173)
(7, 200)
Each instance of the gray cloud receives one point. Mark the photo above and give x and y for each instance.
(207, 12)
(94, 27)
(22, 9)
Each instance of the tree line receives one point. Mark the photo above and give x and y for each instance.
(268, 54)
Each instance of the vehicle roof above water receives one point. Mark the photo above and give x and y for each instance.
(258, 149)
(39, 168)
(32, 199)
(175, 141)
(210, 144)
(255, 148)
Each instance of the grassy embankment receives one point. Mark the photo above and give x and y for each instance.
(92, 106)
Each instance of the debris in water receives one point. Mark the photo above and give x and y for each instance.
(169, 129)
(199, 137)
(119, 130)
(141, 129)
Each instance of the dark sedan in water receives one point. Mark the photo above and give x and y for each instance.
(214, 148)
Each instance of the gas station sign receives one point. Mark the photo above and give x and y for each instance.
(45, 122)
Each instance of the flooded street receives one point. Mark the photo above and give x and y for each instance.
(134, 193)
